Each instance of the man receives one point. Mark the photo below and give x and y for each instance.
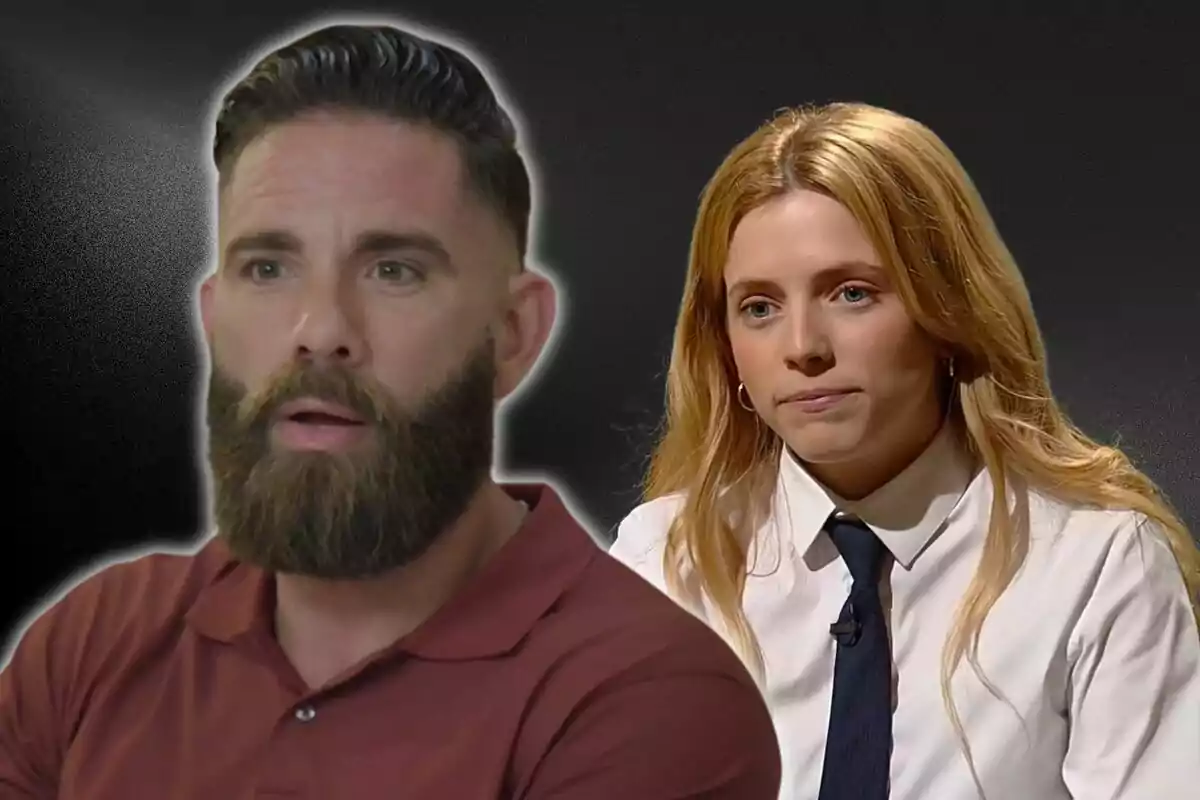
(376, 618)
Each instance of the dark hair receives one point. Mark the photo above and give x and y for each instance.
(392, 72)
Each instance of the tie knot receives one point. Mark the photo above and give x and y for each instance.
(859, 547)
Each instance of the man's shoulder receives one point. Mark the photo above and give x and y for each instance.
(626, 670)
(130, 593)
(616, 622)
(172, 576)
(99, 625)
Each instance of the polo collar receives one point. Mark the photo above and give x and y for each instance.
(487, 617)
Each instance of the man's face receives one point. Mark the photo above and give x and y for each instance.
(353, 326)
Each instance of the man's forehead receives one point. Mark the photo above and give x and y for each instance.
(347, 160)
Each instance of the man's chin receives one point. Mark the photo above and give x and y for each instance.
(333, 573)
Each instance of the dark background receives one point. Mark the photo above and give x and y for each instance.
(1079, 129)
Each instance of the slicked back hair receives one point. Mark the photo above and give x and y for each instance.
(393, 73)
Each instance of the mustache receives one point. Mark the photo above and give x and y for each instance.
(330, 384)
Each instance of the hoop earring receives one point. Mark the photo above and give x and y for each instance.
(747, 403)
(952, 392)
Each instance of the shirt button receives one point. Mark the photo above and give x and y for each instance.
(306, 713)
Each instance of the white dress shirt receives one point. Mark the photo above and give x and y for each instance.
(1094, 644)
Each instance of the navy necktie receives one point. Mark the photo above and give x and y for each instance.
(859, 743)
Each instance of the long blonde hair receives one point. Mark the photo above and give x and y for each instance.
(959, 283)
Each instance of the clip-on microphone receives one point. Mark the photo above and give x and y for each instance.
(848, 629)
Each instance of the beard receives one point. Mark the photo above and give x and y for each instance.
(356, 513)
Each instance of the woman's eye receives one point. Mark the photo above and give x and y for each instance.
(756, 309)
(854, 294)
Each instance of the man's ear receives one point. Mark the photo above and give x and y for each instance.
(206, 300)
(525, 330)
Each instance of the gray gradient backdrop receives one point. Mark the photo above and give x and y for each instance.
(1079, 130)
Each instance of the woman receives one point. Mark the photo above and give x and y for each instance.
(947, 590)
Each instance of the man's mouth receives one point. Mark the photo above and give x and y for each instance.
(311, 411)
(312, 424)
(321, 418)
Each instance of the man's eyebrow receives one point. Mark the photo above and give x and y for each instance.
(373, 242)
(367, 243)
(273, 241)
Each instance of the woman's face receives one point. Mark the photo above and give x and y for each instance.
(830, 357)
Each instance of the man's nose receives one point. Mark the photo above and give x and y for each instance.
(329, 328)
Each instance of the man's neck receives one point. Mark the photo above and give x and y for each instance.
(326, 627)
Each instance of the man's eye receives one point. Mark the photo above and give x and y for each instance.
(397, 272)
(262, 270)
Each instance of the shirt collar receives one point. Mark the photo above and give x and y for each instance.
(905, 513)
(488, 617)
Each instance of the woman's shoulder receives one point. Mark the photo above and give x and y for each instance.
(1117, 547)
(642, 535)
(1056, 519)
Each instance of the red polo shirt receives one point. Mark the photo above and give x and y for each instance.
(556, 673)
